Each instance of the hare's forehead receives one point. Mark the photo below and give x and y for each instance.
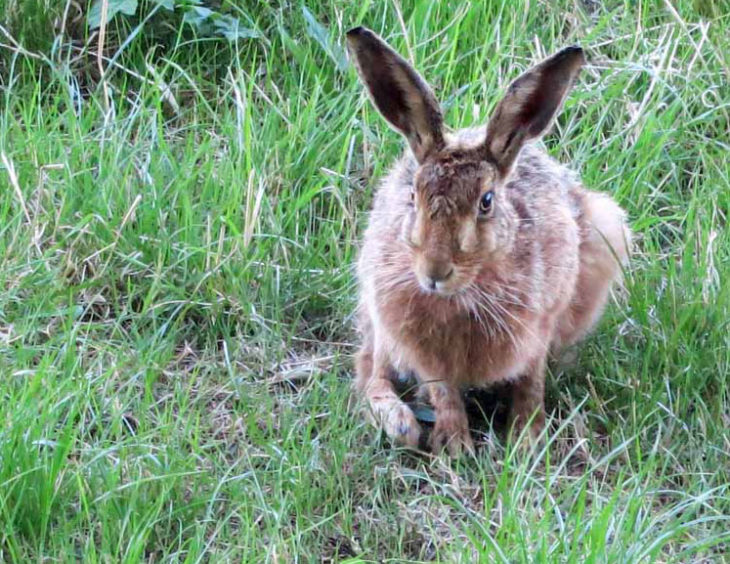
(458, 181)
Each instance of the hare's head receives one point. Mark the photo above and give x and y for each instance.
(455, 225)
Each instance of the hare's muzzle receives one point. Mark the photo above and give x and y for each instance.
(438, 275)
(435, 271)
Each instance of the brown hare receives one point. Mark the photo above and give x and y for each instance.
(482, 253)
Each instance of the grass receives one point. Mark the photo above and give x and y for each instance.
(176, 294)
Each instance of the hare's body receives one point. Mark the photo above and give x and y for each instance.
(464, 296)
(466, 337)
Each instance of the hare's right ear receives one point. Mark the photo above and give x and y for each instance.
(397, 90)
(530, 105)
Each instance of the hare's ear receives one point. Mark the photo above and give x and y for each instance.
(528, 108)
(397, 90)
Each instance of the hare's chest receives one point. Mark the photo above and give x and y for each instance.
(455, 347)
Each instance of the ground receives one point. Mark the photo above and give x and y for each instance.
(177, 292)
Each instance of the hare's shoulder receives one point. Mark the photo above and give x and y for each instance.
(541, 184)
(535, 169)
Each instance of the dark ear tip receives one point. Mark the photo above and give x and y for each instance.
(358, 31)
(574, 52)
(359, 37)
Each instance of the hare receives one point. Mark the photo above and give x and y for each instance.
(482, 254)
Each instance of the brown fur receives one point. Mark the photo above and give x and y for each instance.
(464, 299)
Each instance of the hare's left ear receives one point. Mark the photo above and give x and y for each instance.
(531, 103)
(398, 92)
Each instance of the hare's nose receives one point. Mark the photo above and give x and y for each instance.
(439, 274)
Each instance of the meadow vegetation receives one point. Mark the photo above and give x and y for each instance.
(180, 210)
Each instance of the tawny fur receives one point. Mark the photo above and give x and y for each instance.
(534, 277)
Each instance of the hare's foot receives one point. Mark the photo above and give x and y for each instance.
(386, 408)
(398, 421)
(451, 431)
(389, 412)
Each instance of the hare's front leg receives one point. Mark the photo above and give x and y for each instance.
(373, 370)
(528, 400)
(451, 430)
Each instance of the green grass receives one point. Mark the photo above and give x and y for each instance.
(176, 293)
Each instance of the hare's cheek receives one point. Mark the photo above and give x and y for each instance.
(468, 236)
(490, 239)
(406, 232)
(412, 230)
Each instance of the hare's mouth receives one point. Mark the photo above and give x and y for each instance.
(444, 288)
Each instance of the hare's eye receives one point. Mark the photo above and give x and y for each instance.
(485, 202)
(413, 196)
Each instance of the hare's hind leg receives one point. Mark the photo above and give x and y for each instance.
(373, 380)
(604, 247)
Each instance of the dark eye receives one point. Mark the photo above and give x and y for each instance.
(485, 202)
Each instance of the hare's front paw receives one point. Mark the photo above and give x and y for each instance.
(401, 426)
(451, 432)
